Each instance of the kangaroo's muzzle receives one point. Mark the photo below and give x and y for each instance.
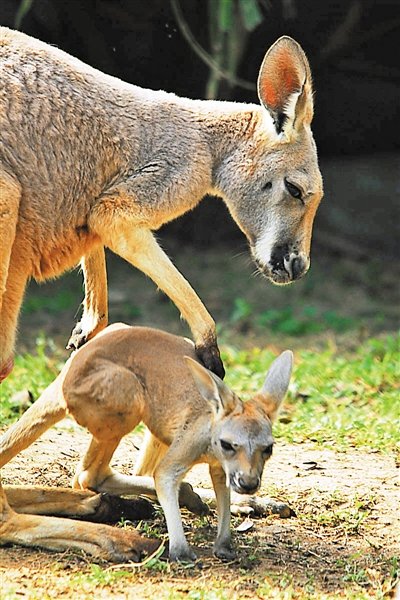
(245, 484)
(284, 266)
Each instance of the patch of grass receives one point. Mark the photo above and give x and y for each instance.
(62, 300)
(340, 400)
(33, 372)
(99, 577)
(346, 516)
(288, 321)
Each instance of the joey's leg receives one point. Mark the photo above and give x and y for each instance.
(11, 291)
(95, 304)
(94, 468)
(95, 473)
(152, 451)
(222, 545)
(181, 455)
(139, 247)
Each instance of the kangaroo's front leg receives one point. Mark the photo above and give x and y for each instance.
(139, 247)
(167, 477)
(95, 304)
(222, 545)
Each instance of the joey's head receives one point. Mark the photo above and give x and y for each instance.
(271, 181)
(241, 438)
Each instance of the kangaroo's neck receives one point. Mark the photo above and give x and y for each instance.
(226, 126)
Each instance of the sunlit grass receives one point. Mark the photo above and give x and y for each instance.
(340, 400)
(33, 372)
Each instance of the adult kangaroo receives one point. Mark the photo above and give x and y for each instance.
(88, 161)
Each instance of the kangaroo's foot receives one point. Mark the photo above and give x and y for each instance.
(224, 551)
(259, 507)
(181, 553)
(192, 501)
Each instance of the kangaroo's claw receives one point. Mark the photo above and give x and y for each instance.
(211, 358)
(77, 339)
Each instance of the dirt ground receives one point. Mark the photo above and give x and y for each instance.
(345, 535)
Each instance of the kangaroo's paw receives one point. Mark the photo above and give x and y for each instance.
(259, 507)
(82, 332)
(210, 357)
(6, 368)
(77, 339)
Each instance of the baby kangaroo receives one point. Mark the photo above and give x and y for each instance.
(126, 375)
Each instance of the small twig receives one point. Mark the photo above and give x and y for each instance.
(156, 554)
(317, 556)
(202, 54)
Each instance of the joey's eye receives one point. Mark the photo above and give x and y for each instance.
(293, 190)
(226, 446)
(268, 450)
(267, 186)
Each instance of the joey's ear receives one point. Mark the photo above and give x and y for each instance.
(284, 85)
(277, 382)
(212, 388)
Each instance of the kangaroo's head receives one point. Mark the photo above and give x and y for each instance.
(241, 435)
(271, 180)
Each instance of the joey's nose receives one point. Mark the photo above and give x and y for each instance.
(249, 484)
(296, 265)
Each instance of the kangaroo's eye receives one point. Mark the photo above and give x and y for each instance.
(267, 186)
(268, 450)
(293, 190)
(226, 446)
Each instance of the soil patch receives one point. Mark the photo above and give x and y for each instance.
(345, 535)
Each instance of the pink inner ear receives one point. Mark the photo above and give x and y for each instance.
(280, 79)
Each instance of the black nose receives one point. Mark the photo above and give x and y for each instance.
(249, 484)
(298, 267)
(295, 265)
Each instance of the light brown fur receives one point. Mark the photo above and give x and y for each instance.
(88, 161)
(123, 376)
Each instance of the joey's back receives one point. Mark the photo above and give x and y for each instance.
(135, 374)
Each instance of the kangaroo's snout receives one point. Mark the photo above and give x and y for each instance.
(284, 266)
(245, 484)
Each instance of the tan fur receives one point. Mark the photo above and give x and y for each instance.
(123, 376)
(88, 161)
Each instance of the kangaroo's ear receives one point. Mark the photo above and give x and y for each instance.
(285, 87)
(276, 383)
(212, 388)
